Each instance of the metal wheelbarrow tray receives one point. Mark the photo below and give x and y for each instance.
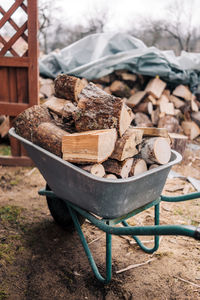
(114, 201)
(106, 198)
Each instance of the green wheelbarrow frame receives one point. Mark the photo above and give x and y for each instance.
(108, 226)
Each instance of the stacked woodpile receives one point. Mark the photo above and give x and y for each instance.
(153, 102)
(93, 129)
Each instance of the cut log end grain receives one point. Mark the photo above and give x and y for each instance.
(156, 150)
(119, 168)
(110, 176)
(89, 147)
(68, 87)
(153, 166)
(120, 89)
(96, 169)
(125, 146)
(139, 166)
(49, 137)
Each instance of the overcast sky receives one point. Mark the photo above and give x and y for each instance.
(121, 12)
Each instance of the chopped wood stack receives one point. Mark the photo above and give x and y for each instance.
(92, 129)
(156, 104)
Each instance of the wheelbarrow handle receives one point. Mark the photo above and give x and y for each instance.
(180, 197)
(184, 230)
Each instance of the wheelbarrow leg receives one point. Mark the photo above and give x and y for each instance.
(156, 237)
(89, 254)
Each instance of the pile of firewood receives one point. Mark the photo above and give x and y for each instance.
(93, 129)
(156, 104)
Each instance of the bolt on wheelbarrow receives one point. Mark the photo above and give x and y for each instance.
(73, 194)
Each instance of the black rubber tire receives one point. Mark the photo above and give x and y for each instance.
(60, 213)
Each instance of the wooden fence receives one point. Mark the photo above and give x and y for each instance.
(18, 70)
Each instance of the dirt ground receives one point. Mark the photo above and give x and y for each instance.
(39, 260)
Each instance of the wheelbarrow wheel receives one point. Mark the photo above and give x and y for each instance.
(60, 213)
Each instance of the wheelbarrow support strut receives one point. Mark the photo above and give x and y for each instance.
(106, 225)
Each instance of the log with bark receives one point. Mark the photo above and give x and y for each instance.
(119, 168)
(170, 123)
(139, 166)
(120, 89)
(156, 150)
(49, 136)
(27, 121)
(125, 146)
(95, 169)
(99, 110)
(68, 87)
(178, 142)
(142, 120)
(93, 146)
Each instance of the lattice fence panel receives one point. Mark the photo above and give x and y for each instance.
(18, 64)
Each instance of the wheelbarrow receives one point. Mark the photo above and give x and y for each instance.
(74, 195)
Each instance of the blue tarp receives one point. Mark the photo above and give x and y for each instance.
(100, 54)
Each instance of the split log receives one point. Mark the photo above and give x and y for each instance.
(68, 87)
(125, 146)
(139, 166)
(5, 126)
(182, 91)
(194, 106)
(153, 131)
(99, 110)
(135, 99)
(142, 120)
(155, 116)
(89, 147)
(27, 121)
(120, 89)
(155, 87)
(49, 137)
(110, 176)
(152, 99)
(153, 166)
(68, 110)
(170, 123)
(177, 102)
(167, 108)
(129, 78)
(107, 90)
(120, 168)
(163, 99)
(56, 105)
(156, 150)
(178, 142)
(96, 169)
(191, 129)
(103, 80)
(145, 107)
(166, 92)
(46, 87)
(195, 116)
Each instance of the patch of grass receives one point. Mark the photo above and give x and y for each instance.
(6, 254)
(10, 214)
(5, 150)
(3, 294)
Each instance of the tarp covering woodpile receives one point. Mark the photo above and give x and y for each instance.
(100, 54)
